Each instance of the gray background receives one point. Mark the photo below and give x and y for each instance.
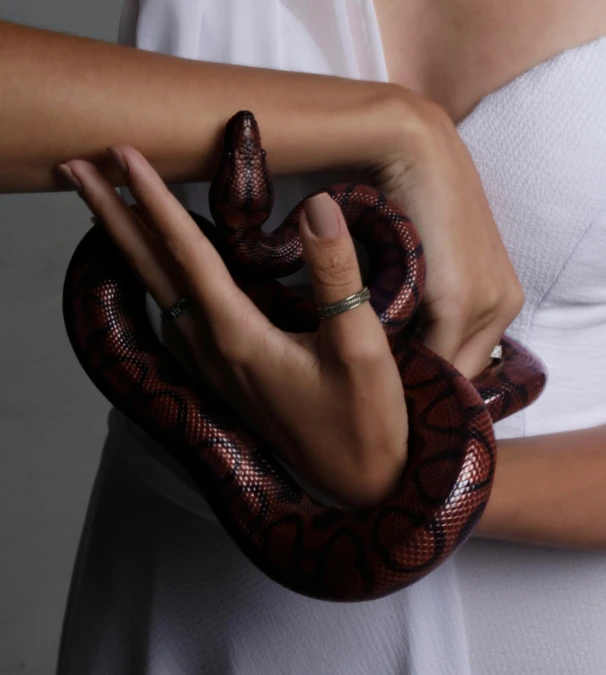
(52, 420)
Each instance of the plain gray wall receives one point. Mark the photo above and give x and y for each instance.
(52, 419)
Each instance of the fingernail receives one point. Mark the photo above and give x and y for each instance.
(117, 156)
(322, 216)
(71, 176)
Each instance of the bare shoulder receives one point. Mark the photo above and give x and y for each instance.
(460, 51)
(518, 35)
(540, 29)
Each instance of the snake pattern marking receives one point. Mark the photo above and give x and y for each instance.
(312, 549)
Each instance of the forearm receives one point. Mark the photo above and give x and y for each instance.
(550, 490)
(63, 97)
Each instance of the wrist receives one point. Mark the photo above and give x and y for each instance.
(404, 127)
(390, 122)
(395, 125)
(353, 126)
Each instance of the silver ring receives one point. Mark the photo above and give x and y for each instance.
(177, 310)
(347, 303)
(497, 352)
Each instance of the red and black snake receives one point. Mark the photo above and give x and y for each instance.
(308, 547)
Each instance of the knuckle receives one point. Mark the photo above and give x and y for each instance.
(489, 305)
(363, 353)
(483, 299)
(153, 196)
(334, 269)
(233, 336)
(516, 299)
(490, 301)
(140, 189)
(501, 302)
(180, 252)
(185, 250)
(234, 352)
(233, 348)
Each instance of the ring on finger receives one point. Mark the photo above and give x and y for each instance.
(181, 307)
(497, 352)
(344, 305)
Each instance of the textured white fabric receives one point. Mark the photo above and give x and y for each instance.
(540, 146)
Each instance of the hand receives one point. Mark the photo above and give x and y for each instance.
(472, 292)
(332, 401)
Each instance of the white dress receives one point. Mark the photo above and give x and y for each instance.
(158, 586)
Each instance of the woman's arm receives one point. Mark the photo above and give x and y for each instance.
(550, 490)
(63, 97)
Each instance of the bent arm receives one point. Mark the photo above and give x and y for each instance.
(550, 490)
(63, 97)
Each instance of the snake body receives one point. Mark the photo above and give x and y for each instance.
(311, 548)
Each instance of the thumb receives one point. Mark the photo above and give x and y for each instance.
(329, 251)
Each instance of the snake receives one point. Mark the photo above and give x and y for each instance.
(298, 541)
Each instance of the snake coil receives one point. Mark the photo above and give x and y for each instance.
(302, 544)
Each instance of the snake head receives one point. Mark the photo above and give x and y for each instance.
(243, 183)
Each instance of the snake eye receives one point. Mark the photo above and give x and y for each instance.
(263, 153)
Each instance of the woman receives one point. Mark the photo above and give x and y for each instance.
(150, 617)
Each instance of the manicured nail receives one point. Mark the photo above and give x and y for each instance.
(71, 176)
(117, 156)
(322, 216)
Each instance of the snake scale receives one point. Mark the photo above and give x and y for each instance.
(313, 549)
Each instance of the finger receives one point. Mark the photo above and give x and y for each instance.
(444, 338)
(335, 274)
(177, 231)
(236, 324)
(137, 243)
(475, 355)
(469, 354)
(141, 249)
(151, 262)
